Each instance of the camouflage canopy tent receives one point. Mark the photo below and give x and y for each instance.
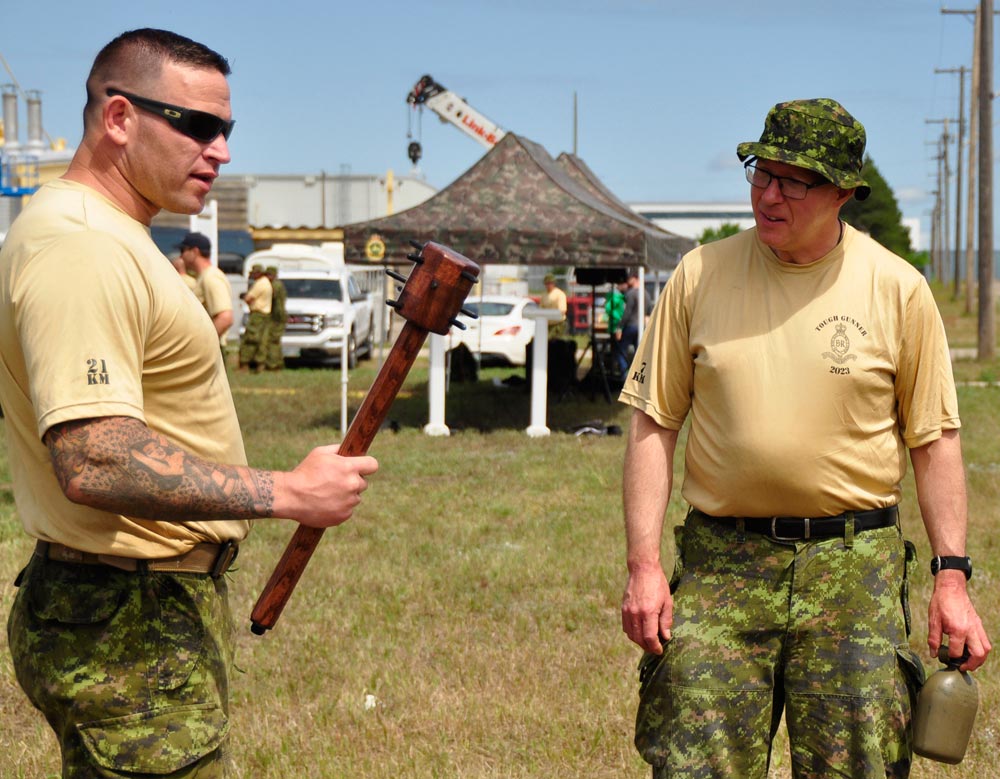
(518, 206)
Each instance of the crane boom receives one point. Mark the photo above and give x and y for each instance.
(451, 108)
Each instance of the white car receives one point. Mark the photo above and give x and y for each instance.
(501, 332)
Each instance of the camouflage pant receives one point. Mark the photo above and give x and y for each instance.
(817, 629)
(130, 670)
(254, 343)
(275, 358)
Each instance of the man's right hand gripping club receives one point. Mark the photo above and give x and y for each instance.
(324, 489)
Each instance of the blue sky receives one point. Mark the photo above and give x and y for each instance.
(665, 88)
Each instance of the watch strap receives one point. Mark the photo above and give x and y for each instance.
(952, 562)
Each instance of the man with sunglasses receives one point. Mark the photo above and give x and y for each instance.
(128, 463)
(810, 359)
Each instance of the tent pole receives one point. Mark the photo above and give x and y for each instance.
(574, 122)
(642, 300)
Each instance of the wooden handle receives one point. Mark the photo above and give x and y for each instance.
(359, 436)
(431, 298)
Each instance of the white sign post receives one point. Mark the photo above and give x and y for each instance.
(436, 386)
(207, 223)
(540, 368)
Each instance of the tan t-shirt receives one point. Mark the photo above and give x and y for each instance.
(95, 322)
(215, 293)
(555, 299)
(803, 382)
(258, 297)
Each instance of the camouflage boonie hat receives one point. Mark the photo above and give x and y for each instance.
(818, 135)
(257, 269)
(271, 270)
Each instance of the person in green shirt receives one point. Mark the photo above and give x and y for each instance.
(614, 307)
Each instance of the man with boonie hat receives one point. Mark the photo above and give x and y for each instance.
(809, 358)
(554, 298)
(818, 135)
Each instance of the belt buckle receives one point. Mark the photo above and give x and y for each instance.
(227, 554)
(64, 554)
(776, 537)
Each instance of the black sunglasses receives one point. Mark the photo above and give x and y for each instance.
(200, 125)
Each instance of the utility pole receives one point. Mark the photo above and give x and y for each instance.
(987, 320)
(970, 225)
(935, 212)
(956, 267)
(980, 96)
(944, 176)
(936, 233)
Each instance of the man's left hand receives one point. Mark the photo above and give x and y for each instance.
(952, 614)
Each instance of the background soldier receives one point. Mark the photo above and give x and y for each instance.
(279, 318)
(187, 278)
(554, 298)
(254, 344)
(212, 287)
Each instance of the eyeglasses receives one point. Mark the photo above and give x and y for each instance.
(200, 125)
(791, 188)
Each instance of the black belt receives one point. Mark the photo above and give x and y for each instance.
(805, 528)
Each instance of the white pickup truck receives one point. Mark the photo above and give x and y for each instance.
(325, 304)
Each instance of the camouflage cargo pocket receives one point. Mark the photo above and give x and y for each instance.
(155, 742)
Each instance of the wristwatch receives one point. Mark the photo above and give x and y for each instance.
(941, 562)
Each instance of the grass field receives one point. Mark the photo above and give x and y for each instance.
(466, 622)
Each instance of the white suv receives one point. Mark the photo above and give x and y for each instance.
(323, 306)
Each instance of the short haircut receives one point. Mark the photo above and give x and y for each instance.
(138, 56)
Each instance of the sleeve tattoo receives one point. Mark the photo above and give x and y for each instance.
(118, 464)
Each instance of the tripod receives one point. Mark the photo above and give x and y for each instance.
(597, 352)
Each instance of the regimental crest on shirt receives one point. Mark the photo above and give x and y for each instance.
(840, 345)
